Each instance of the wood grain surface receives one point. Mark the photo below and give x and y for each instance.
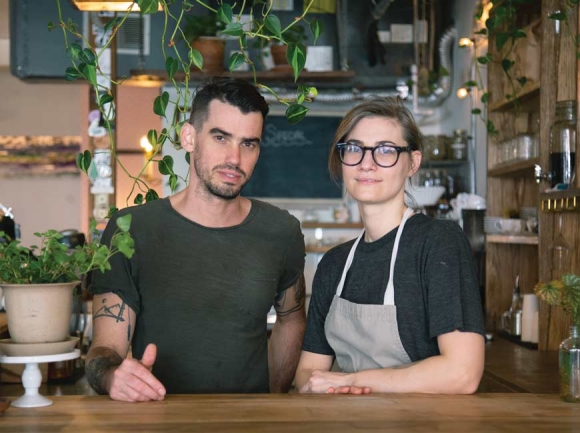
(302, 413)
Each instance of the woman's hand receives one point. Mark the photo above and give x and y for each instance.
(332, 383)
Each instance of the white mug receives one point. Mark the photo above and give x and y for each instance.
(319, 58)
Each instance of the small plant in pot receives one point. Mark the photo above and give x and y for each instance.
(201, 32)
(292, 43)
(38, 283)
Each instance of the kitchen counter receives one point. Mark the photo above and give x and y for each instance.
(301, 413)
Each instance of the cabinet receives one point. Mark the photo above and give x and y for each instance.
(512, 185)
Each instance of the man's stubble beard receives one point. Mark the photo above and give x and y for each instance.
(204, 175)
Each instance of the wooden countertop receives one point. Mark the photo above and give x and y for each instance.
(520, 369)
(302, 413)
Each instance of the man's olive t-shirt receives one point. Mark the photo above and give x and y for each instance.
(202, 294)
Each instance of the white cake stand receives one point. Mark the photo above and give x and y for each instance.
(32, 377)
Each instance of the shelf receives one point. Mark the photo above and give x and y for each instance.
(523, 168)
(560, 201)
(321, 225)
(444, 163)
(318, 249)
(530, 92)
(512, 239)
(263, 76)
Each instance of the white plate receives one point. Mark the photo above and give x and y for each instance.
(11, 348)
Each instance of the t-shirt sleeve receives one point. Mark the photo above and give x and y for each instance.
(322, 294)
(120, 279)
(454, 301)
(295, 257)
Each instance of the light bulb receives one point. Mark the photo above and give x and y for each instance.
(462, 92)
(146, 145)
(465, 42)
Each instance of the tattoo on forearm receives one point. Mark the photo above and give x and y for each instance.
(281, 299)
(114, 311)
(97, 369)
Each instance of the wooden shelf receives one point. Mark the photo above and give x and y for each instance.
(321, 225)
(529, 93)
(560, 201)
(263, 76)
(523, 168)
(444, 163)
(512, 239)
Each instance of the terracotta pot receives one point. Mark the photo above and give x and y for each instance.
(212, 50)
(38, 313)
(279, 56)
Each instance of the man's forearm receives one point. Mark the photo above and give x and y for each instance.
(101, 362)
(284, 352)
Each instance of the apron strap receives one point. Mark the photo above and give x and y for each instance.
(347, 265)
(390, 292)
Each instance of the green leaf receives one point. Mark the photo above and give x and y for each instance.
(476, 111)
(233, 29)
(295, 113)
(188, 158)
(148, 6)
(152, 137)
(138, 199)
(51, 26)
(317, 28)
(151, 195)
(171, 67)
(507, 64)
(124, 222)
(470, 83)
(112, 23)
(296, 57)
(558, 16)
(481, 32)
(160, 104)
(84, 161)
(443, 72)
(88, 56)
(72, 74)
(166, 165)
(483, 60)
(519, 33)
(196, 58)
(112, 211)
(225, 14)
(236, 59)
(125, 244)
(272, 23)
(490, 126)
(300, 98)
(500, 39)
(173, 182)
(89, 73)
(105, 99)
(522, 80)
(485, 97)
(73, 51)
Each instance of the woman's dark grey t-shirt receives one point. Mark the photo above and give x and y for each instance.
(435, 279)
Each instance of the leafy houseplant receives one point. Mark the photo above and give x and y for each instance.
(201, 32)
(566, 293)
(38, 282)
(85, 65)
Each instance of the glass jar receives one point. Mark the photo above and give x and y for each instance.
(570, 367)
(563, 143)
(458, 146)
(438, 150)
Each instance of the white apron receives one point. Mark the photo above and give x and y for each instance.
(366, 337)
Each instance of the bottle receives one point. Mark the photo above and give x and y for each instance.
(570, 366)
(563, 144)
(458, 147)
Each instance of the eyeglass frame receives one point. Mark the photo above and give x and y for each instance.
(399, 149)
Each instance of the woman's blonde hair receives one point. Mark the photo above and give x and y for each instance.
(389, 108)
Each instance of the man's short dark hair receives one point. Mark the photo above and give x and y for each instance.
(234, 91)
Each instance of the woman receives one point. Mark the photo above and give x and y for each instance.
(398, 307)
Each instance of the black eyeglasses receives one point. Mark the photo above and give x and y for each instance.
(384, 155)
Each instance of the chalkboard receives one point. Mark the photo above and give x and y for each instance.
(293, 160)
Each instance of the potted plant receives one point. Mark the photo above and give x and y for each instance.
(38, 282)
(202, 33)
(566, 293)
(294, 37)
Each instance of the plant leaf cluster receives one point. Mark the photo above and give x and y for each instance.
(183, 25)
(52, 262)
(564, 293)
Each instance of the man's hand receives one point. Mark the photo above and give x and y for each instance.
(133, 380)
(332, 383)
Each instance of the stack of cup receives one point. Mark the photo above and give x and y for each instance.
(530, 312)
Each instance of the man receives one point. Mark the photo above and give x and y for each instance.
(192, 302)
